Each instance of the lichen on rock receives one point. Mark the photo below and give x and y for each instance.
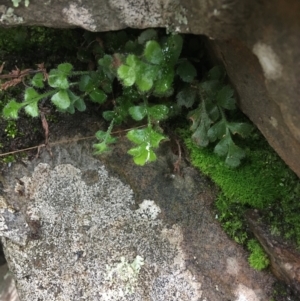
(8, 16)
(87, 226)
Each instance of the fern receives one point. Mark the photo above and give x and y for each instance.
(210, 123)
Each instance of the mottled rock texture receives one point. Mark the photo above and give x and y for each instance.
(80, 223)
(82, 215)
(257, 41)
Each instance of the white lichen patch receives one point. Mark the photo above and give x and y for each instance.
(245, 293)
(139, 14)
(124, 275)
(175, 236)
(269, 60)
(180, 15)
(148, 209)
(273, 121)
(79, 16)
(8, 16)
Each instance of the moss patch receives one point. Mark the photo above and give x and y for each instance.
(262, 182)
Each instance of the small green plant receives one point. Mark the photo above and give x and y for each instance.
(210, 123)
(11, 129)
(8, 159)
(150, 70)
(258, 259)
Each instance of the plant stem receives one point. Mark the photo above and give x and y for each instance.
(148, 116)
(109, 130)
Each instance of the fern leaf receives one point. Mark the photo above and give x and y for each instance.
(217, 131)
(225, 98)
(221, 147)
(186, 97)
(235, 155)
(241, 128)
(186, 71)
(216, 73)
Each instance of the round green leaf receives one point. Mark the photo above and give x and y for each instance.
(109, 115)
(127, 74)
(85, 83)
(155, 138)
(32, 109)
(11, 109)
(138, 112)
(153, 52)
(57, 79)
(144, 83)
(38, 80)
(61, 99)
(164, 82)
(138, 136)
(65, 68)
(98, 96)
(142, 154)
(31, 95)
(158, 112)
(172, 49)
(77, 102)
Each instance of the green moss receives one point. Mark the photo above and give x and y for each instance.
(257, 183)
(258, 258)
(262, 182)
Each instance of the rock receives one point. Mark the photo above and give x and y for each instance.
(262, 61)
(285, 261)
(90, 223)
(8, 290)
